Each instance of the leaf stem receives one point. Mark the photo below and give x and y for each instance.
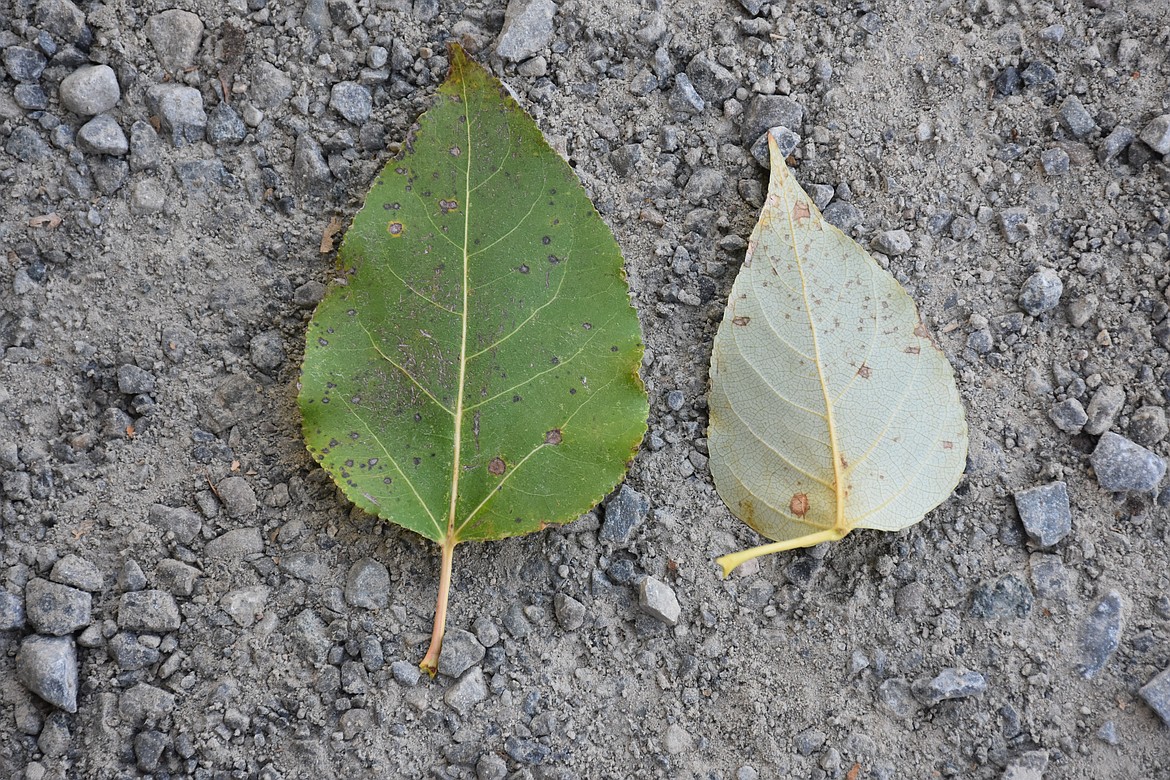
(730, 561)
(430, 663)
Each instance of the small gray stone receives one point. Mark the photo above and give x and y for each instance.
(310, 171)
(237, 543)
(56, 609)
(485, 631)
(26, 145)
(90, 90)
(1068, 415)
(491, 767)
(893, 242)
(786, 143)
(24, 64)
(949, 684)
(55, 738)
(895, 695)
(703, 185)
(675, 399)
(131, 576)
(843, 216)
(570, 612)
(1007, 597)
(768, 111)
(245, 605)
(147, 196)
(821, 194)
(810, 741)
(657, 599)
(133, 380)
(266, 350)
(179, 521)
(224, 125)
(1014, 225)
(1121, 465)
(676, 740)
(148, 749)
(32, 97)
(367, 585)
(270, 86)
(1115, 143)
(176, 577)
(1050, 578)
(238, 497)
(61, 18)
(1101, 634)
(180, 112)
(11, 611)
(1156, 134)
(1108, 733)
(1148, 425)
(77, 572)
(1076, 119)
(514, 620)
(623, 513)
(352, 101)
(528, 29)
(460, 651)
(145, 703)
(711, 80)
(176, 36)
(1045, 513)
(102, 135)
(1103, 408)
(684, 98)
(1054, 161)
(1156, 693)
(110, 174)
(467, 692)
(47, 666)
(149, 610)
(310, 636)
(405, 673)
(17, 485)
(146, 149)
(130, 654)
(1027, 766)
(526, 751)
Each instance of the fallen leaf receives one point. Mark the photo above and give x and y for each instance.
(51, 220)
(331, 231)
(831, 406)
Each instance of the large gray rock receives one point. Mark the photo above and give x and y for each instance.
(367, 585)
(766, 111)
(623, 513)
(47, 666)
(1122, 466)
(90, 90)
(175, 36)
(657, 599)
(180, 112)
(528, 28)
(56, 609)
(102, 135)
(460, 651)
(1045, 513)
(149, 610)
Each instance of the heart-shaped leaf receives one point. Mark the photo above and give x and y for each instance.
(474, 373)
(831, 407)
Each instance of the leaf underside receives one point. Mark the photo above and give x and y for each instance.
(474, 375)
(831, 407)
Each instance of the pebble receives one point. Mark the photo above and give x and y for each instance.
(145, 703)
(1156, 693)
(1054, 162)
(1148, 426)
(676, 740)
(176, 36)
(270, 86)
(467, 692)
(703, 185)
(224, 125)
(149, 610)
(658, 600)
(623, 513)
(11, 611)
(130, 654)
(56, 609)
(148, 749)
(460, 651)
(102, 135)
(1007, 597)
(1122, 465)
(712, 81)
(1076, 118)
(238, 497)
(183, 523)
(55, 739)
(176, 577)
(1013, 223)
(786, 143)
(896, 696)
(1103, 408)
(1115, 143)
(893, 242)
(367, 585)
(147, 196)
(949, 684)
(246, 605)
(1045, 513)
(528, 29)
(684, 98)
(1050, 578)
(526, 751)
(1101, 634)
(31, 97)
(131, 576)
(133, 380)
(146, 149)
(77, 572)
(485, 631)
(352, 101)
(570, 612)
(1156, 134)
(63, 19)
(768, 111)
(405, 673)
(24, 64)
(310, 170)
(810, 741)
(843, 216)
(1068, 415)
(491, 767)
(180, 112)
(1108, 733)
(47, 666)
(309, 636)
(1026, 766)
(26, 145)
(90, 90)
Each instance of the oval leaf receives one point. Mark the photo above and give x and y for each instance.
(831, 407)
(475, 375)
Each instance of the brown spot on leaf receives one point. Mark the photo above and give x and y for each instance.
(799, 504)
(455, 151)
(523, 269)
(395, 229)
(496, 466)
(912, 350)
(741, 320)
(801, 212)
(948, 445)
(553, 437)
(865, 372)
(447, 206)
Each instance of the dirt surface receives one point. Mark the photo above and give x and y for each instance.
(153, 306)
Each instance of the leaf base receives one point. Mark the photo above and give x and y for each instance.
(730, 561)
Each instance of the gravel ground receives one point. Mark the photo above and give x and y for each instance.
(182, 593)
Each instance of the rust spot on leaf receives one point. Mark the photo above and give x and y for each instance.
(865, 372)
(799, 504)
(741, 320)
(801, 212)
(553, 437)
(395, 229)
(912, 350)
(948, 445)
(496, 466)
(447, 206)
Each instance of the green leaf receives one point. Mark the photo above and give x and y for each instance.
(474, 374)
(831, 406)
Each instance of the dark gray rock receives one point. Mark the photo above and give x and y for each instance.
(144, 703)
(26, 145)
(266, 350)
(149, 610)
(133, 380)
(310, 171)
(491, 767)
(175, 36)
(1037, 73)
(896, 696)
(77, 572)
(405, 673)
(1014, 225)
(1050, 578)
(468, 691)
(176, 577)
(11, 611)
(514, 620)
(810, 741)
(1076, 118)
(237, 543)
(528, 29)
(893, 242)
(1121, 465)
(1007, 597)
(62, 19)
(1148, 426)
(102, 135)
(238, 497)
(684, 97)
(110, 174)
(146, 149)
(1115, 143)
(90, 90)
(1068, 415)
(658, 600)
(485, 631)
(526, 751)
(1156, 134)
(17, 485)
(352, 100)
(56, 609)
(148, 749)
(843, 216)
(47, 666)
(1156, 693)
(31, 97)
(570, 612)
(131, 576)
(460, 651)
(24, 64)
(224, 125)
(130, 654)
(703, 185)
(180, 112)
(1045, 513)
(711, 80)
(623, 513)
(367, 585)
(183, 523)
(1101, 634)
(767, 111)
(55, 739)
(1103, 408)
(949, 684)
(1054, 162)
(270, 86)
(786, 143)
